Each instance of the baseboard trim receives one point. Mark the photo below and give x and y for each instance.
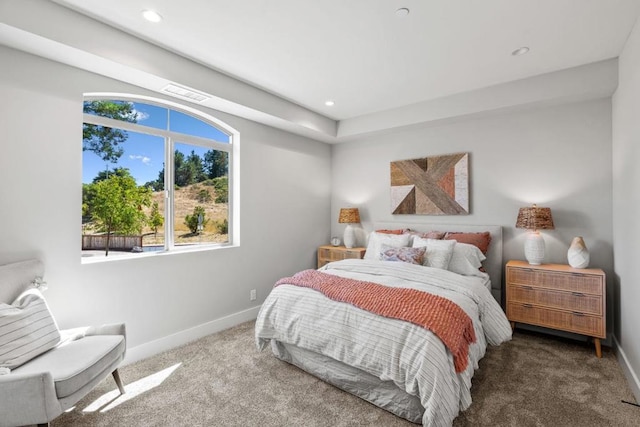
(154, 347)
(632, 378)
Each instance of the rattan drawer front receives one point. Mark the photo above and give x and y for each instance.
(565, 320)
(572, 301)
(584, 283)
(351, 255)
(327, 254)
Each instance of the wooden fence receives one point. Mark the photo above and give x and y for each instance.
(116, 242)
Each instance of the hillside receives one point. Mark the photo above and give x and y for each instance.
(186, 199)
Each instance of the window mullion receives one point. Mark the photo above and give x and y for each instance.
(169, 179)
(134, 127)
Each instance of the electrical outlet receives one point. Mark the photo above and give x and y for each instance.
(252, 295)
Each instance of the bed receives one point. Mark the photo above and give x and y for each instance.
(390, 362)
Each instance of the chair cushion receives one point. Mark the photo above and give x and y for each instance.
(75, 364)
(27, 329)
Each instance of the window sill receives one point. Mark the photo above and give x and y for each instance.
(97, 256)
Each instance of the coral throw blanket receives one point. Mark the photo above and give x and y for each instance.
(439, 315)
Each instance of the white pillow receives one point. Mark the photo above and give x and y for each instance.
(438, 253)
(466, 259)
(27, 329)
(376, 240)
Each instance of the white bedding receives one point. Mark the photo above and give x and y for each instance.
(392, 350)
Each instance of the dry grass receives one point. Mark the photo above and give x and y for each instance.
(186, 199)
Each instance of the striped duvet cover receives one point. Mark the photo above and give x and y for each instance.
(392, 350)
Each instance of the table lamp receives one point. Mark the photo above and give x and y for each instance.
(533, 219)
(349, 216)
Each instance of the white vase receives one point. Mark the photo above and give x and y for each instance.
(578, 254)
(349, 237)
(534, 248)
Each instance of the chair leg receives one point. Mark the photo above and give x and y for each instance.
(116, 377)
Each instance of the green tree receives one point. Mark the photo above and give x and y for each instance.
(102, 140)
(221, 184)
(158, 184)
(203, 196)
(183, 173)
(216, 163)
(189, 169)
(117, 206)
(88, 193)
(223, 226)
(197, 221)
(156, 220)
(102, 175)
(195, 163)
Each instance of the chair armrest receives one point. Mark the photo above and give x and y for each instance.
(110, 329)
(27, 399)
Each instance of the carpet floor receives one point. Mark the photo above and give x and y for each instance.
(222, 380)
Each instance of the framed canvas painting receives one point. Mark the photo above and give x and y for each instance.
(436, 185)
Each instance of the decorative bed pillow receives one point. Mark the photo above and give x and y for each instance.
(376, 240)
(437, 235)
(480, 240)
(438, 253)
(467, 260)
(427, 234)
(404, 254)
(27, 329)
(399, 231)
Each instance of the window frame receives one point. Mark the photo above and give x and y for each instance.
(232, 148)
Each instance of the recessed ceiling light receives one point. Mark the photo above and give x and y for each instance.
(329, 103)
(151, 16)
(520, 51)
(402, 12)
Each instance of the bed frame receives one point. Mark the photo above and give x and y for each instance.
(385, 394)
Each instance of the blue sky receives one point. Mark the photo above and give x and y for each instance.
(144, 154)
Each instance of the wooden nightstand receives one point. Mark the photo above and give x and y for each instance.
(559, 297)
(328, 253)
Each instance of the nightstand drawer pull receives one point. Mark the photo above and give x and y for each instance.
(528, 288)
(577, 313)
(527, 305)
(577, 294)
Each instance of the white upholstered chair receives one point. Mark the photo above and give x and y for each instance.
(40, 389)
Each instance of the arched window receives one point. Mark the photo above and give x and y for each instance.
(156, 176)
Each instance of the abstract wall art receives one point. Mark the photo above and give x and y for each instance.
(436, 185)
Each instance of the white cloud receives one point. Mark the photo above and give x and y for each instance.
(144, 159)
(140, 116)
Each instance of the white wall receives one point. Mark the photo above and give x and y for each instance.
(626, 206)
(284, 211)
(556, 156)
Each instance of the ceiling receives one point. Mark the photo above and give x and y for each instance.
(359, 54)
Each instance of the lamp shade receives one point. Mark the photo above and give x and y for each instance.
(535, 218)
(349, 216)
